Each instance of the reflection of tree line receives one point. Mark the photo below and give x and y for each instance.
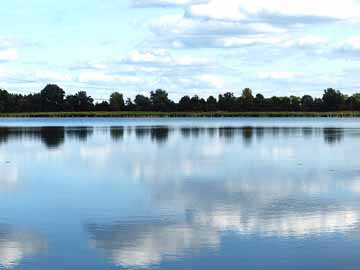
(157, 134)
(53, 137)
(161, 134)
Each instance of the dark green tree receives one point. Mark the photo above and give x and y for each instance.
(52, 98)
(79, 102)
(103, 106)
(307, 103)
(184, 104)
(142, 103)
(4, 101)
(247, 99)
(260, 103)
(332, 99)
(353, 102)
(211, 104)
(130, 106)
(160, 101)
(197, 104)
(318, 105)
(227, 102)
(295, 104)
(117, 102)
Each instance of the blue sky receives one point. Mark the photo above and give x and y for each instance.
(203, 47)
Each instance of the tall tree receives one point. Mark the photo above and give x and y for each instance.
(52, 98)
(227, 102)
(197, 104)
(130, 106)
(353, 102)
(307, 103)
(160, 100)
(247, 99)
(185, 104)
(117, 102)
(295, 103)
(142, 103)
(332, 99)
(103, 106)
(79, 102)
(4, 100)
(211, 104)
(260, 102)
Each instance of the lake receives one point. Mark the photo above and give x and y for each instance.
(179, 194)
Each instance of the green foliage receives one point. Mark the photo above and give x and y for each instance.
(117, 102)
(52, 99)
(247, 99)
(307, 103)
(142, 103)
(227, 102)
(333, 99)
(211, 104)
(160, 101)
(79, 102)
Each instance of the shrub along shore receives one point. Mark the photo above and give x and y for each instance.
(133, 114)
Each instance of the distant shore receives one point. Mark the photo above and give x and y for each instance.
(132, 114)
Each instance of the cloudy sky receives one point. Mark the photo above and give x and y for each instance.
(276, 47)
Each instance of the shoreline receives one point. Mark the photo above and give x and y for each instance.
(131, 114)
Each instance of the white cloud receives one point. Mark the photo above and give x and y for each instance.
(3, 72)
(102, 77)
(308, 41)
(279, 75)
(145, 57)
(212, 80)
(52, 76)
(181, 32)
(161, 57)
(164, 3)
(88, 65)
(350, 44)
(6, 43)
(304, 11)
(247, 41)
(176, 24)
(8, 55)
(239, 23)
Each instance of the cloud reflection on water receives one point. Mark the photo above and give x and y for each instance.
(204, 183)
(271, 198)
(144, 244)
(9, 176)
(16, 245)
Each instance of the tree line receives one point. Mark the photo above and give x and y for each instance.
(54, 99)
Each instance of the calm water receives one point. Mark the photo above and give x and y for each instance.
(180, 194)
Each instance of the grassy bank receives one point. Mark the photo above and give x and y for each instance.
(183, 114)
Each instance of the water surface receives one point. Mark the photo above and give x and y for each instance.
(180, 194)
